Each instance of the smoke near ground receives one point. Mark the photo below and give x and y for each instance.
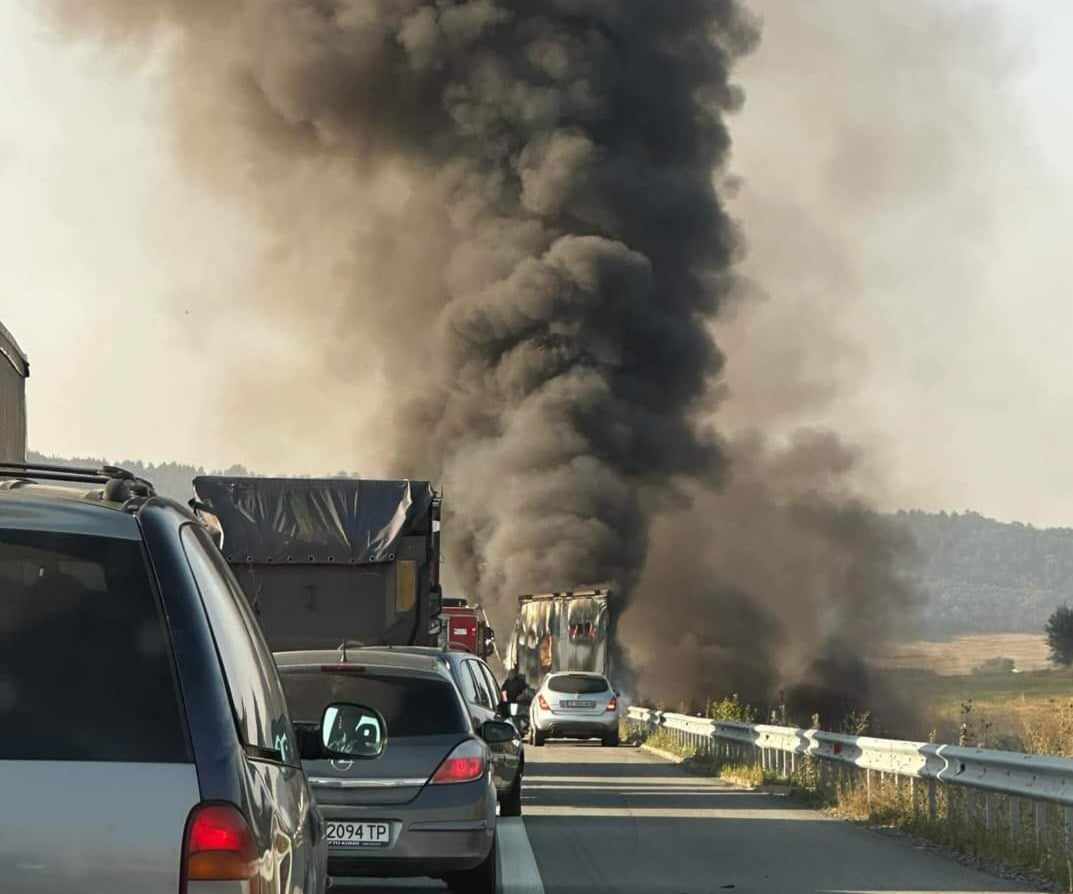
(498, 248)
(782, 582)
(862, 228)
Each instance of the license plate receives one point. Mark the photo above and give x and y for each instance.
(577, 704)
(344, 834)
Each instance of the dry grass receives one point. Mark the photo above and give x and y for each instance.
(746, 775)
(1051, 731)
(1002, 707)
(963, 654)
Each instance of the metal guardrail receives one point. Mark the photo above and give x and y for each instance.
(782, 749)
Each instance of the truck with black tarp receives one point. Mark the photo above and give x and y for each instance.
(14, 370)
(568, 631)
(327, 561)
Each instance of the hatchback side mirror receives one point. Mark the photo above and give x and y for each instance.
(352, 731)
(498, 732)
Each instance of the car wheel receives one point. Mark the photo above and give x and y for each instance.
(538, 737)
(479, 880)
(611, 741)
(511, 803)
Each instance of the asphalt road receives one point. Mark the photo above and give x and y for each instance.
(600, 820)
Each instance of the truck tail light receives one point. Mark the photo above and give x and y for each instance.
(219, 846)
(465, 764)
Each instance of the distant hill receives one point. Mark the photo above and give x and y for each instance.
(985, 576)
(173, 480)
(978, 575)
(170, 479)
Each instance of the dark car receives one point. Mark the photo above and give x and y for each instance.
(146, 743)
(428, 806)
(483, 698)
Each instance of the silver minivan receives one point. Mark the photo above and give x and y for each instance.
(146, 746)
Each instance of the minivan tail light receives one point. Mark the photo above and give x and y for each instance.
(613, 704)
(543, 702)
(465, 764)
(219, 845)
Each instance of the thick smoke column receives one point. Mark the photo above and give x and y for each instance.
(541, 299)
(501, 215)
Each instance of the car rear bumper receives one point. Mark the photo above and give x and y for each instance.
(417, 853)
(444, 829)
(576, 726)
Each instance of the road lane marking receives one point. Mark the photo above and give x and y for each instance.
(518, 872)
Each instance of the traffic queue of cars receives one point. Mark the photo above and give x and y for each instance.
(153, 743)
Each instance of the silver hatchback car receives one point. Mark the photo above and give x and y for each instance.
(427, 807)
(574, 705)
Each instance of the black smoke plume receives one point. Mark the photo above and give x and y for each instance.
(499, 216)
(782, 581)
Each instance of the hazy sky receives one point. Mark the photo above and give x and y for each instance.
(906, 188)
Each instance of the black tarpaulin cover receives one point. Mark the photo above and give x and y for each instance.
(314, 520)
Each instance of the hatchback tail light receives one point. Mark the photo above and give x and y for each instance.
(613, 704)
(543, 702)
(465, 764)
(219, 845)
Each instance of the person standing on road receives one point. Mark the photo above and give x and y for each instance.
(514, 686)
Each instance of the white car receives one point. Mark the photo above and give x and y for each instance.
(574, 705)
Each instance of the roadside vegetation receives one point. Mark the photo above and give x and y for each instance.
(1009, 835)
(1003, 710)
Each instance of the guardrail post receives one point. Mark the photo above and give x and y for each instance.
(868, 787)
(932, 806)
(987, 811)
(1067, 818)
(1015, 818)
(1041, 824)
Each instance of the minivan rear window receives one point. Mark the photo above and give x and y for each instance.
(578, 684)
(412, 706)
(86, 670)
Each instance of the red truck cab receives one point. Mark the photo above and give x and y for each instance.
(465, 627)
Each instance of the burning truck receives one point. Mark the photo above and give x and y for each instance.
(569, 631)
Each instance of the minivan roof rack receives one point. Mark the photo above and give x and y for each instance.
(120, 485)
